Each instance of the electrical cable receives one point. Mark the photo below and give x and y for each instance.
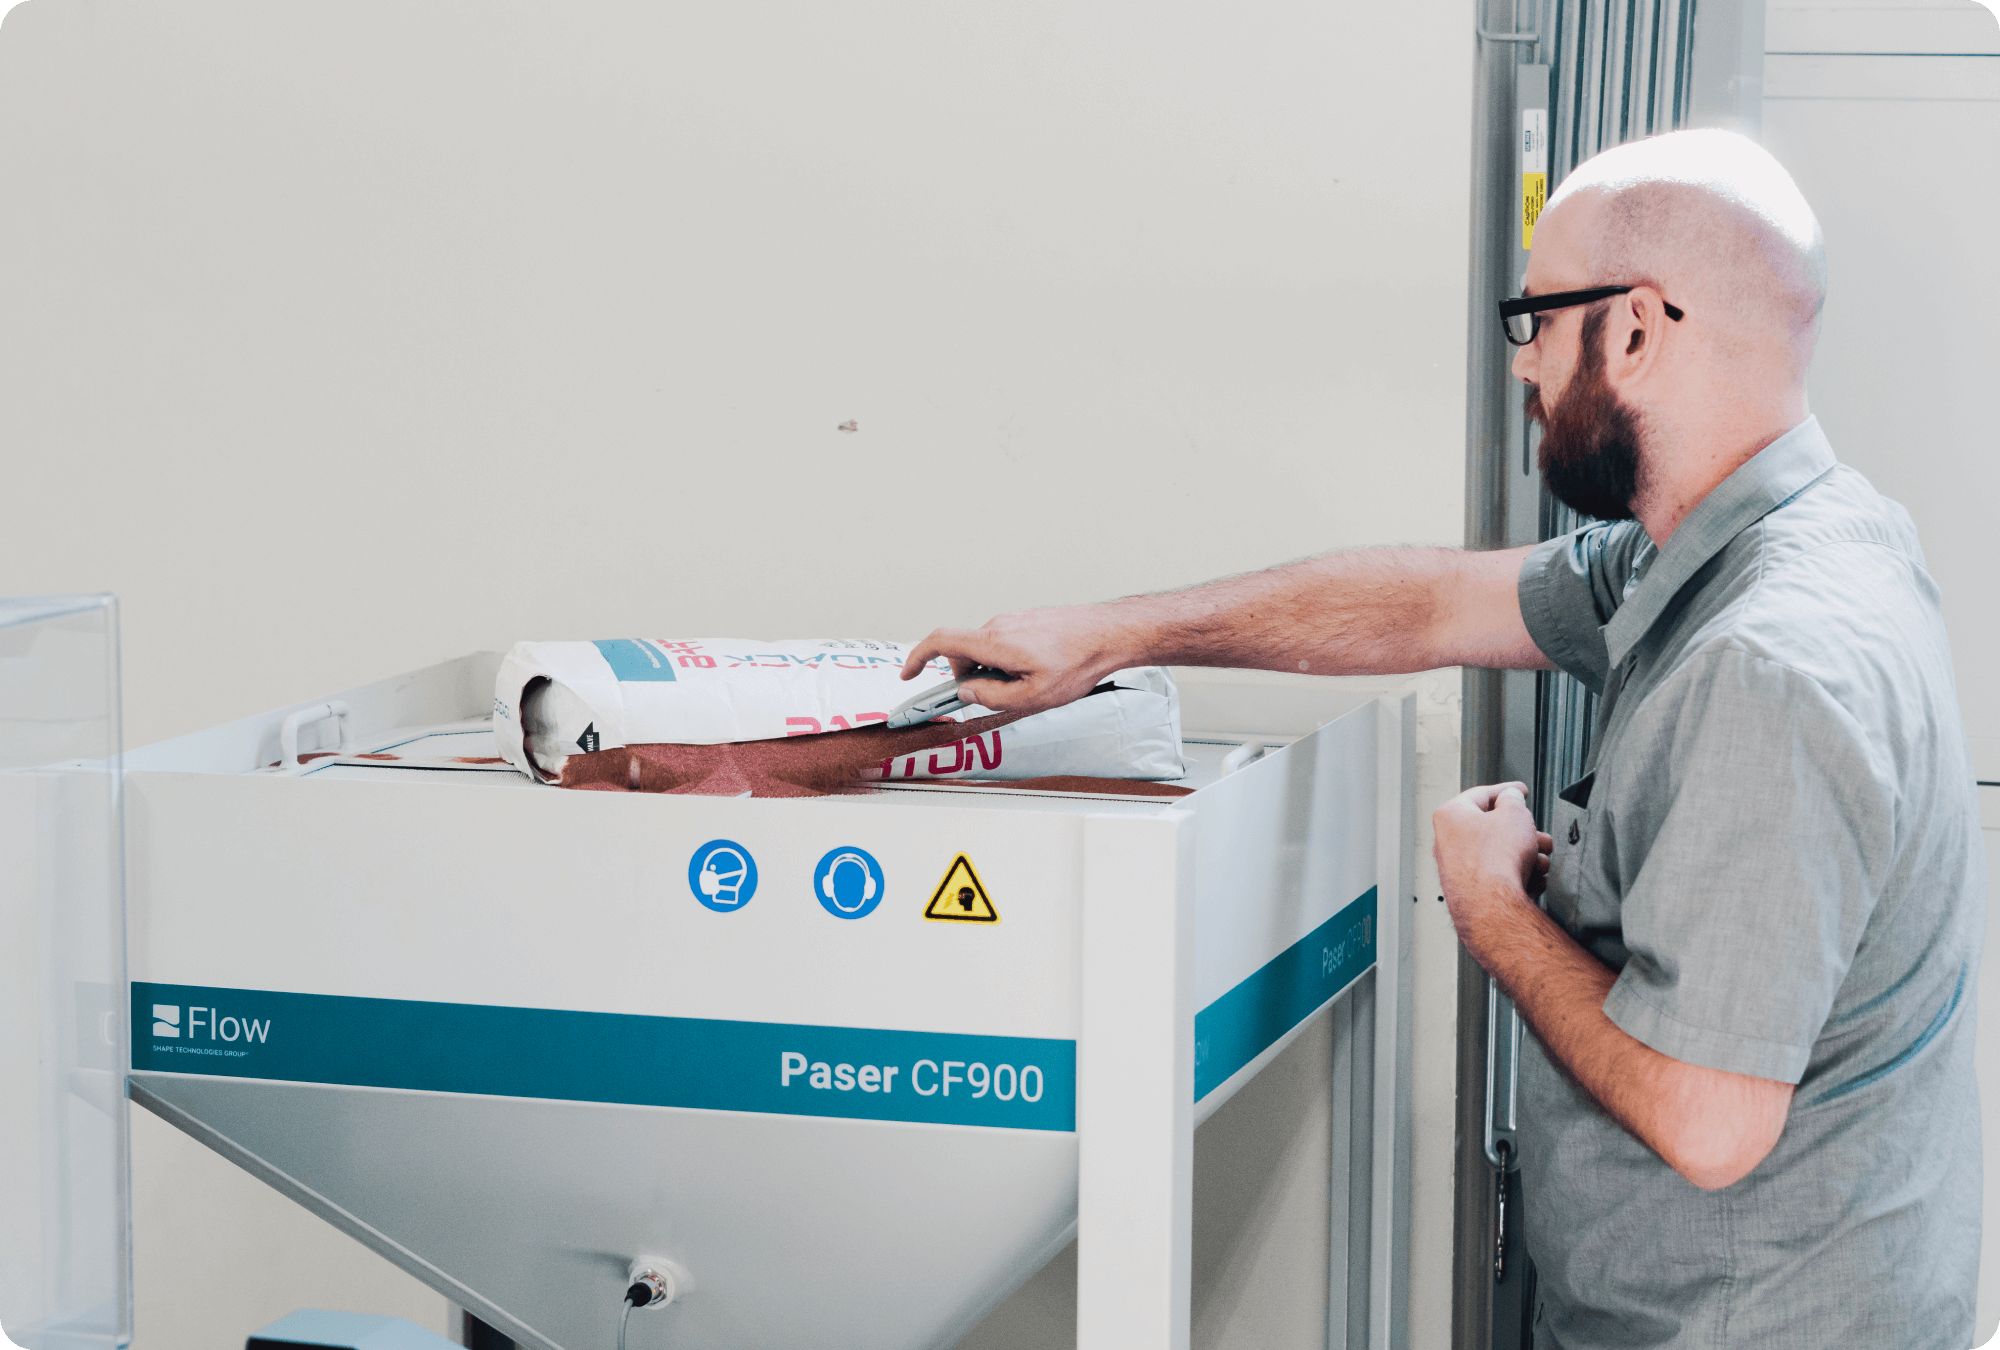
(638, 1296)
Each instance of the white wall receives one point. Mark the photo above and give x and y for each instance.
(1888, 115)
(342, 338)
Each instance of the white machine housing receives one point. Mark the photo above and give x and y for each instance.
(511, 1037)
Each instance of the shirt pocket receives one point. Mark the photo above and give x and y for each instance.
(1589, 913)
(1569, 827)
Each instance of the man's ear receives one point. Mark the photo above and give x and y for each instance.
(1632, 334)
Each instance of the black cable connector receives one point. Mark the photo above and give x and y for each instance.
(640, 1294)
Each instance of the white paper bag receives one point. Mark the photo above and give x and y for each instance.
(555, 699)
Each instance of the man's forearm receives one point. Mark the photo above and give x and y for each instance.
(1373, 612)
(1559, 989)
(1368, 612)
(1708, 1125)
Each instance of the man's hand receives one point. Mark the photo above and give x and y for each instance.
(1489, 854)
(1054, 656)
(1709, 1125)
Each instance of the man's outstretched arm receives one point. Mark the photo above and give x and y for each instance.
(1370, 612)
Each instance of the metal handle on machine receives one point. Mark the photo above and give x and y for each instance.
(1502, 1108)
(288, 731)
(1240, 756)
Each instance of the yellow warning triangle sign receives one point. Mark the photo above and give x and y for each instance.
(960, 897)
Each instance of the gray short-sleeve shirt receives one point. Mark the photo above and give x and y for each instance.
(1776, 845)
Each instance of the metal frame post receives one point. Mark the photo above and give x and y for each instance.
(1395, 889)
(1135, 1084)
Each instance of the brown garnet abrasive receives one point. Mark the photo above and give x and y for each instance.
(795, 766)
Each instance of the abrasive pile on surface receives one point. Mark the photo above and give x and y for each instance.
(792, 766)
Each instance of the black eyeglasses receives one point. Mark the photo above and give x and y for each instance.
(1521, 319)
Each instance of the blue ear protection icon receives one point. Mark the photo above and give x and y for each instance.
(833, 870)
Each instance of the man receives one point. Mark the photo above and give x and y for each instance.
(1750, 1117)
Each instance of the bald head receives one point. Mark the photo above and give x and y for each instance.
(1650, 398)
(1714, 222)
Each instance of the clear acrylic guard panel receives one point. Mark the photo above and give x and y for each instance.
(65, 1210)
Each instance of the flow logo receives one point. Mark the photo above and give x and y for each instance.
(167, 1025)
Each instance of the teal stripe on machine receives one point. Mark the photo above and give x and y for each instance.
(1290, 987)
(1009, 1082)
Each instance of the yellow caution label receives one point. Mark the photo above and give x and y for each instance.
(1534, 166)
(960, 897)
(1534, 195)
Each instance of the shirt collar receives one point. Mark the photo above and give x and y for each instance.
(1768, 480)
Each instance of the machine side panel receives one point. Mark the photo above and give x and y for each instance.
(1262, 1011)
(1285, 876)
(1282, 845)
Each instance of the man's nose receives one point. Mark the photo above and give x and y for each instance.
(1525, 362)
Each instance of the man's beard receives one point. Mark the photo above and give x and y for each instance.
(1590, 441)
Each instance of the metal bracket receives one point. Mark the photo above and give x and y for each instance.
(1491, 36)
